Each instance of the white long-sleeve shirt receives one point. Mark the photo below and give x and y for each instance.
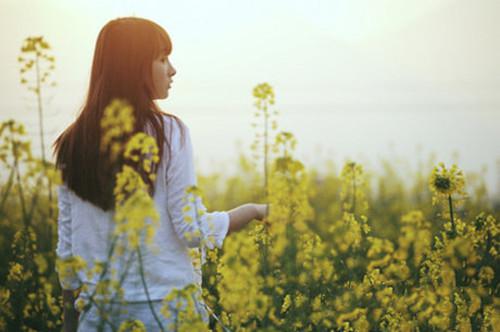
(84, 230)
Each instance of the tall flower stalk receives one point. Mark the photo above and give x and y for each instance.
(34, 56)
(264, 98)
(36, 59)
(444, 183)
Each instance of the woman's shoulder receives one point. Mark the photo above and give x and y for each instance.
(175, 128)
(173, 121)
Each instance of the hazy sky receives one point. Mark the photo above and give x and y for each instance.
(362, 79)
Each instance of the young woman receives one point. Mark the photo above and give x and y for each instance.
(131, 61)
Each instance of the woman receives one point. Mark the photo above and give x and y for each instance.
(131, 61)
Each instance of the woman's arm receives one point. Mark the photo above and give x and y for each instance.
(194, 225)
(192, 222)
(69, 281)
(239, 217)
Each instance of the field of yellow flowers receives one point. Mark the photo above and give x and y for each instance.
(343, 251)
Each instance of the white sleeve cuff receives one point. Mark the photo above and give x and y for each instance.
(218, 227)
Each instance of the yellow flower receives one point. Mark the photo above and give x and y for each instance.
(4, 295)
(286, 303)
(117, 121)
(142, 147)
(133, 325)
(486, 274)
(41, 263)
(15, 272)
(136, 212)
(264, 92)
(444, 182)
(316, 304)
(67, 268)
(80, 304)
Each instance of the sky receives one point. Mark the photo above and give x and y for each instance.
(360, 79)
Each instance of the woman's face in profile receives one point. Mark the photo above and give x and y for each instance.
(162, 72)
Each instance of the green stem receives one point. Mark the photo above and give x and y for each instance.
(451, 213)
(102, 320)
(34, 198)
(18, 178)
(120, 282)
(40, 111)
(42, 135)
(266, 115)
(103, 272)
(224, 328)
(353, 207)
(141, 270)
(7, 190)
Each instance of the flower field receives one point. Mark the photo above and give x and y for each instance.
(347, 250)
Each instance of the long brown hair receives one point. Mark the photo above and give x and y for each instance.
(122, 68)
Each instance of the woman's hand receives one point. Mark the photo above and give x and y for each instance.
(240, 217)
(262, 211)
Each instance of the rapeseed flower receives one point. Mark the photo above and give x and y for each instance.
(445, 182)
(286, 303)
(116, 124)
(133, 325)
